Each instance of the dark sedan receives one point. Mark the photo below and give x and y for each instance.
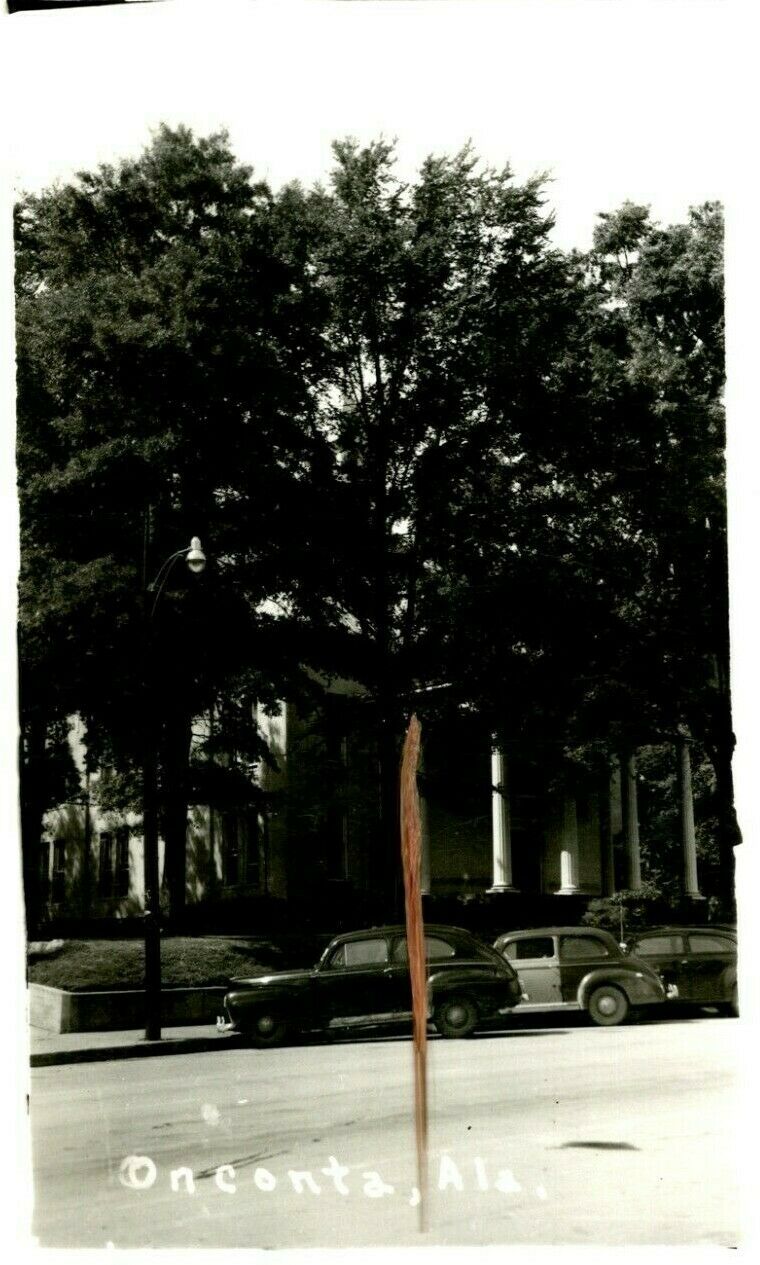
(362, 980)
(697, 964)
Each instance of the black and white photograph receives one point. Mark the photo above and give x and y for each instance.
(379, 498)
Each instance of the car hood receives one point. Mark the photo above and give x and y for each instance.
(279, 977)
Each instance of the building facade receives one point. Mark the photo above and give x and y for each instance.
(493, 825)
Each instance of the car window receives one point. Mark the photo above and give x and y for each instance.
(574, 947)
(653, 945)
(435, 947)
(534, 947)
(359, 953)
(711, 944)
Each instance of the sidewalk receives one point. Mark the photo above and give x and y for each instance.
(48, 1048)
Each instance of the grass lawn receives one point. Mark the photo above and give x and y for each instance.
(186, 961)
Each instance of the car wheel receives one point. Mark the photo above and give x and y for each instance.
(608, 1005)
(267, 1028)
(456, 1017)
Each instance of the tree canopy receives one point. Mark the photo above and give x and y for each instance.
(426, 450)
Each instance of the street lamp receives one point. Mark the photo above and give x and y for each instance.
(195, 560)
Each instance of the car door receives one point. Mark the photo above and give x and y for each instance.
(537, 964)
(577, 956)
(666, 952)
(708, 956)
(353, 984)
(438, 950)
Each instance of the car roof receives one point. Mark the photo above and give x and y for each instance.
(557, 931)
(675, 929)
(400, 929)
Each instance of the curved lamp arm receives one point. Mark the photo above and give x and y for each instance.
(196, 561)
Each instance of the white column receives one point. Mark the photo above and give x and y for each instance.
(631, 822)
(688, 836)
(501, 830)
(568, 857)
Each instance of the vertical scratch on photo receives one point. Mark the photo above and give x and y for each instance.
(411, 849)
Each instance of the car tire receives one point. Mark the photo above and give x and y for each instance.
(266, 1028)
(456, 1017)
(608, 1005)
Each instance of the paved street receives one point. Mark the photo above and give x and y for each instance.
(555, 1134)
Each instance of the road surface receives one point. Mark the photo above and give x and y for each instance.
(558, 1134)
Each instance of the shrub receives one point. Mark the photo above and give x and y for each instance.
(630, 908)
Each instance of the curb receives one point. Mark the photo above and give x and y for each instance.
(140, 1050)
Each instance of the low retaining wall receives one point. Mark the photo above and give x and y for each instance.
(54, 1010)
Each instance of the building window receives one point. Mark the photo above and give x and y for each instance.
(241, 833)
(252, 876)
(58, 893)
(113, 864)
(230, 849)
(121, 868)
(334, 842)
(105, 867)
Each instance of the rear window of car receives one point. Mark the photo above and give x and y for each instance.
(572, 948)
(652, 946)
(359, 953)
(711, 944)
(533, 947)
(435, 947)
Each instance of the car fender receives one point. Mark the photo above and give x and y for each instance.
(481, 986)
(728, 979)
(639, 987)
(242, 1000)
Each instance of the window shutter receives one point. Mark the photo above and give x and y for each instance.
(122, 862)
(105, 865)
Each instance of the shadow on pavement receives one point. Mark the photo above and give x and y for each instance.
(550, 1023)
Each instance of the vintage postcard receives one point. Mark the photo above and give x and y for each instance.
(381, 591)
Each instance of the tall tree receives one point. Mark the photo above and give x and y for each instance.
(665, 285)
(447, 322)
(427, 450)
(155, 399)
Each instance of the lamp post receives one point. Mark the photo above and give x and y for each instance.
(196, 561)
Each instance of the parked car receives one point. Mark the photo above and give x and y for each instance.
(580, 968)
(362, 980)
(697, 964)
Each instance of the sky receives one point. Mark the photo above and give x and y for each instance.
(615, 99)
(648, 100)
